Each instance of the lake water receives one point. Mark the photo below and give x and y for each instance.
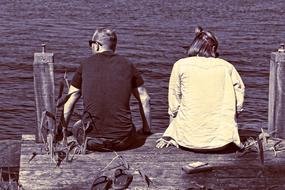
(150, 34)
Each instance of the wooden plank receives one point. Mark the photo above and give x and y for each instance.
(10, 153)
(162, 166)
(27, 137)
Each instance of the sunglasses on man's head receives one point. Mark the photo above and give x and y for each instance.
(94, 42)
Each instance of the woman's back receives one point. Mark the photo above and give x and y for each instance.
(206, 85)
(204, 94)
(207, 107)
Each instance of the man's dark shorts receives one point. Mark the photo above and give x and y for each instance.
(103, 144)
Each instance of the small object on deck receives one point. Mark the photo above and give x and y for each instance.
(197, 164)
(148, 181)
(196, 167)
(33, 156)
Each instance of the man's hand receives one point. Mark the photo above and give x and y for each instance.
(143, 131)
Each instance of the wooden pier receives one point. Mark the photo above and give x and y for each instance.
(162, 166)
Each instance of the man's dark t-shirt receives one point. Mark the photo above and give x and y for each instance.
(106, 81)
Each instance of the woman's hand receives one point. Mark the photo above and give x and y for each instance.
(161, 143)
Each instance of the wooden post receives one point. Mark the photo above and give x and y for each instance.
(276, 107)
(43, 87)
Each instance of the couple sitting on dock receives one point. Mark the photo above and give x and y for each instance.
(205, 95)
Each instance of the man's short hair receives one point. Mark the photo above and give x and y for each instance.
(106, 37)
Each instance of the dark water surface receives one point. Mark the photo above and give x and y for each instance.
(150, 34)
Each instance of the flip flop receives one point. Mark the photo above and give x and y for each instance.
(122, 180)
(102, 183)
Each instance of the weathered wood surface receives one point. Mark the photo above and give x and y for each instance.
(10, 153)
(162, 166)
(43, 67)
(276, 107)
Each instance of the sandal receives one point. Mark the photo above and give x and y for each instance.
(122, 180)
(102, 183)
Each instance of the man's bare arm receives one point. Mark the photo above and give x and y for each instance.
(69, 105)
(143, 98)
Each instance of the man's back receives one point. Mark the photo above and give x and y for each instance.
(106, 81)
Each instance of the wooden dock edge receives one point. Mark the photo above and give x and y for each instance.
(162, 166)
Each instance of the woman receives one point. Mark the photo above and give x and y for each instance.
(205, 93)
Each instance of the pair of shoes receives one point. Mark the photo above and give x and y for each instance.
(122, 180)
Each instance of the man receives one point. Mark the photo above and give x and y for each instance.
(106, 80)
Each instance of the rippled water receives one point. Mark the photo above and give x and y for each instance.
(150, 34)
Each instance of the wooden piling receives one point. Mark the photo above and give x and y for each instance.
(43, 86)
(276, 107)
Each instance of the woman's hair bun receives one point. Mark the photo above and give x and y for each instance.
(198, 30)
